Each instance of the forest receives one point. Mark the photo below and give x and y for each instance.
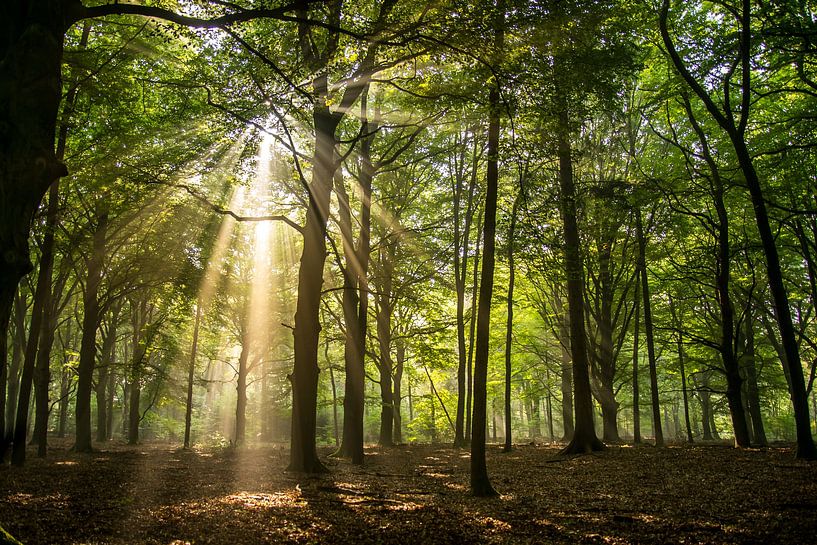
(334, 271)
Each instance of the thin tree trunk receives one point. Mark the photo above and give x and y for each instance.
(460, 275)
(648, 330)
(469, 386)
(241, 393)
(636, 329)
(400, 350)
(753, 393)
(191, 371)
(108, 349)
(566, 375)
(385, 365)
(355, 294)
(509, 326)
(480, 483)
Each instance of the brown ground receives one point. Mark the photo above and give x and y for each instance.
(412, 494)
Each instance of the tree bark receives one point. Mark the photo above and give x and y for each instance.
(753, 393)
(191, 371)
(30, 94)
(303, 454)
(636, 401)
(241, 392)
(90, 323)
(648, 330)
(105, 369)
(460, 276)
(509, 324)
(384, 334)
(400, 353)
(584, 435)
(480, 483)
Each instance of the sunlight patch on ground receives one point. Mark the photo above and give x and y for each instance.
(251, 500)
(66, 463)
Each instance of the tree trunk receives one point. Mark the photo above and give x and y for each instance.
(191, 371)
(460, 276)
(723, 296)
(64, 393)
(140, 345)
(385, 365)
(566, 383)
(109, 401)
(584, 435)
(105, 369)
(682, 364)
(336, 428)
(509, 325)
(469, 383)
(90, 324)
(753, 393)
(636, 405)
(241, 393)
(30, 94)
(400, 349)
(355, 294)
(480, 484)
(12, 373)
(648, 330)
(736, 132)
(303, 454)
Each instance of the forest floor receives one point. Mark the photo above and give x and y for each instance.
(160, 494)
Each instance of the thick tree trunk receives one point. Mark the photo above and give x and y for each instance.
(584, 436)
(648, 330)
(30, 94)
(355, 294)
(90, 323)
(303, 454)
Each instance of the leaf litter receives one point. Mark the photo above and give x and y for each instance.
(159, 494)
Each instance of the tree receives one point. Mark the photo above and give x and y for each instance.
(736, 129)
